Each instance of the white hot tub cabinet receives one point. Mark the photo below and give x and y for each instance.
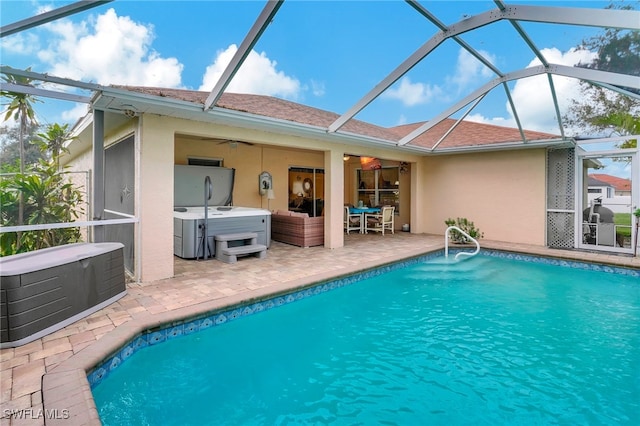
(45, 290)
(187, 233)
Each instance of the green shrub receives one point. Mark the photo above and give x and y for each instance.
(48, 197)
(467, 226)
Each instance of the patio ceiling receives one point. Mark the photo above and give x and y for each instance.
(120, 100)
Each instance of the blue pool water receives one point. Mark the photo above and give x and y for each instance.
(484, 341)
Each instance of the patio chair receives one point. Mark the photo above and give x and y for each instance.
(379, 222)
(352, 221)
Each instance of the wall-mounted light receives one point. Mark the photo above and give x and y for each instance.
(270, 196)
(346, 157)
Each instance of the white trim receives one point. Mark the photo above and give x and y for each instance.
(62, 225)
(120, 214)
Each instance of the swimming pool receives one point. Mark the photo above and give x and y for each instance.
(485, 341)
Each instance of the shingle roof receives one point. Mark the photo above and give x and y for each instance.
(620, 184)
(466, 134)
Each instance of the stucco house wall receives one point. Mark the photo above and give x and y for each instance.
(502, 192)
(164, 141)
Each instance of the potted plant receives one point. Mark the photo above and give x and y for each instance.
(467, 226)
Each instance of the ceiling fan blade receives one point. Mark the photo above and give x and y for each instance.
(230, 142)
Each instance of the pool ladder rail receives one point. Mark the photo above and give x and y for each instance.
(462, 253)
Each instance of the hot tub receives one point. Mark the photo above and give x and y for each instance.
(45, 290)
(187, 230)
(195, 189)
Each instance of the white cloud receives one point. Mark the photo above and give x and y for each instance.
(401, 120)
(258, 75)
(108, 49)
(411, 94)
(497, 121)
(317, 88)
(72, 115)
(532, 96)
(469, 70)
(22, 44)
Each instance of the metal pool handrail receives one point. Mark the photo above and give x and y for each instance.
(462, 253)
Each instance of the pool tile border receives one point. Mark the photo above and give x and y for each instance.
(179, 328)
(576, 264)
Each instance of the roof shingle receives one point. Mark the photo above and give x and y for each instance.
(466, 134)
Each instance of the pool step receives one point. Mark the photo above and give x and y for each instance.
(244, 243)
(458, 270)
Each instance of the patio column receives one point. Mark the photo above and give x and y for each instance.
(98, 174)
(419, 206)
(334, 198)
(156, 198)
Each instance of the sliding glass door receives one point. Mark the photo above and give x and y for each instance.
(306, 190)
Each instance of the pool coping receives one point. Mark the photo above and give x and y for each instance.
(67, 392)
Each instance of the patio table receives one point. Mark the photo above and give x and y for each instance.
(363, 211)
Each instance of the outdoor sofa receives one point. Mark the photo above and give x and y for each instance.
(297, 228)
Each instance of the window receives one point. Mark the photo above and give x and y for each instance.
(379, 187)
(594, 191)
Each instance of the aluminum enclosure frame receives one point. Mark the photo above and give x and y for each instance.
(621, 19)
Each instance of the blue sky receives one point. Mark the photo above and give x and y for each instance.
(326, 54)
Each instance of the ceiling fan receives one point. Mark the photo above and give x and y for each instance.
(232, 143)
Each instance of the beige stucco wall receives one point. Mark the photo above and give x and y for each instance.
(502, 192)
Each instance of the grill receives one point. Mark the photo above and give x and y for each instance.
(599, 226)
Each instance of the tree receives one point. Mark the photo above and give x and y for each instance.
(601, 110)
(10, 147)
(48, 197)
(53, 140)
(20, 108)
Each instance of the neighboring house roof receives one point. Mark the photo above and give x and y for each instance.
(620, 184)
(466, 134)
(595, 182)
